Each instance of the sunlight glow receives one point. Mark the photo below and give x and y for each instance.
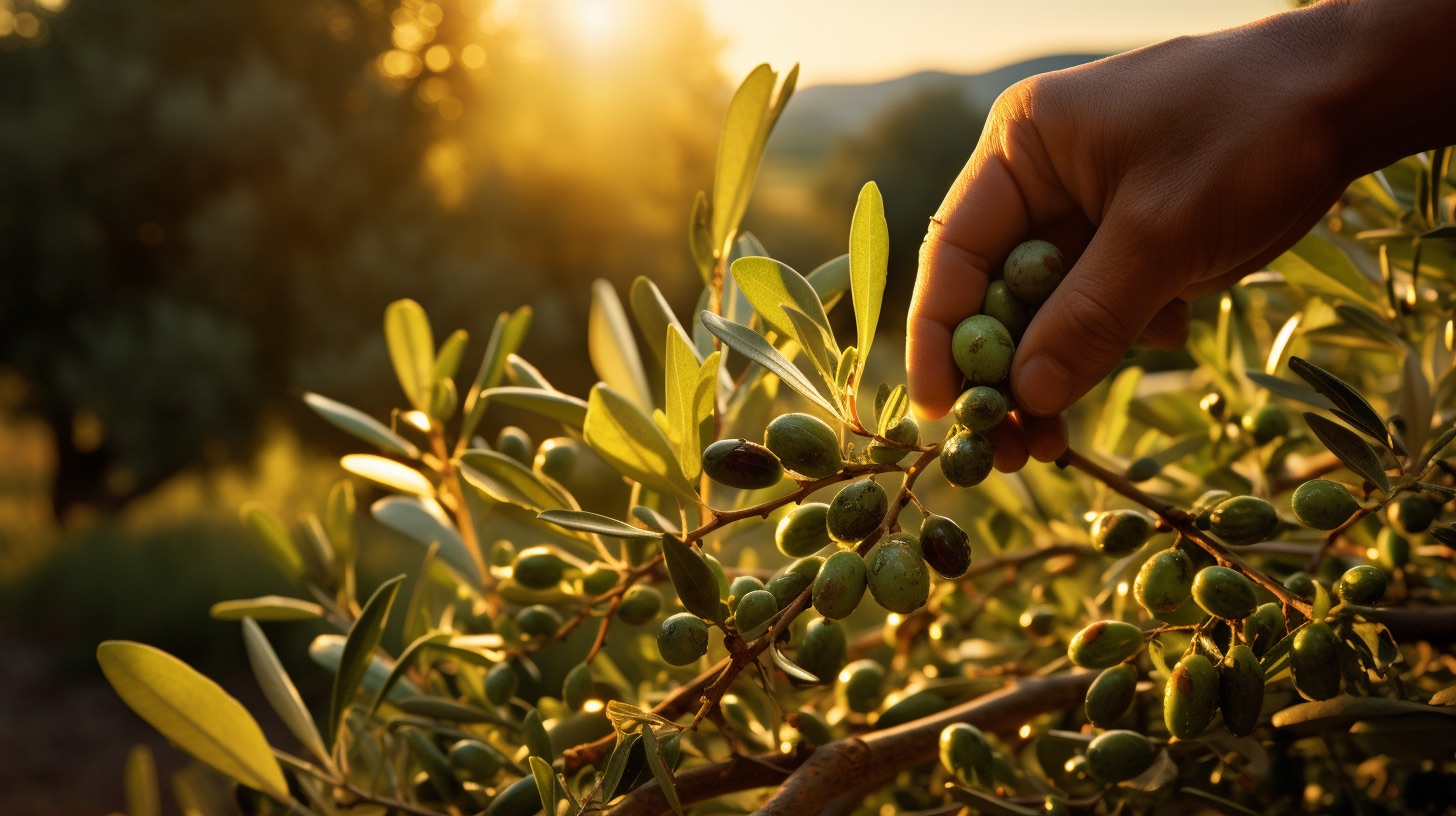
(596, 20)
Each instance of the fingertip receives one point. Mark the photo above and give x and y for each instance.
(931, 376)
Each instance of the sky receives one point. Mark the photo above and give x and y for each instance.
(868, 40)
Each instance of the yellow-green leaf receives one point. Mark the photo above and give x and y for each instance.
(447, 359)
(140, 782)
(278, 545)
(281, 692)
(704, 398)
(628, 440)
(510, 330)
(361, 426)
(504, 479)
(267, 608)
(391, 474)
(745, 130)
(193, 712)
(653, 314)
(564, 408)
(679, 393)
(771, 286)
(612, 348)
(751, 344)
(412, 350)
(869, 259)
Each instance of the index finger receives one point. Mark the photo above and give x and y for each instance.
(978, 223)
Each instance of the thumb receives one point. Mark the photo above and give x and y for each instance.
(1091, 320)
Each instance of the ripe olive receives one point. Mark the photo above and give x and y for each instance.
(1410, 513)
(538, 621)
(755, 613)
(1190, 697)
(1111, 694)
(1240, 690)
(538, 568)
(802, 531)
(823, 650)
(945, 546)
(500, 684)
(1266, 424)
(1314, 660)
(965, 753)
(1117, 756)
(966, 459)
(906, 432)
(742, 464)
(515, 443)
(859, 685)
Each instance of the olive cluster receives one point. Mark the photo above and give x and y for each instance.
(983, 346)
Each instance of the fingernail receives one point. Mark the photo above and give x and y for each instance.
(1044, 386)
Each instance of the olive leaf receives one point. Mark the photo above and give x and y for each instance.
(387, 472)
(830, 280)
(1351, 449)
(629, 441)
(791, 668)
(1292, 390)
(653, 314)
(538, 743)
(267, 608)
(281, 693)
(772, 287)
(692, 578)
(751, 344)
(505, 338)
(402, 665)
(818, 343)
(869, 259)
(412, 350)
(278, 545)
(617, 762)
(660, 771)
(503, 479)
(613, 349)
(564, 408)
(1355, 409)
(752, 113)
(545, 782)
(680, 397)
(424, 521)
(360, 425)
(1317, 264)
(447, 359)
(895, 407)
(522, 373)
(358, 649)
(598, 524)
(193, 712)
(140, 782)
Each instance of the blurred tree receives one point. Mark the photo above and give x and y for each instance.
(207, 204)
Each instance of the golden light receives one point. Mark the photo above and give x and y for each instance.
(593, 706)
(1025, 731)
(1122, 588)
(596, 20)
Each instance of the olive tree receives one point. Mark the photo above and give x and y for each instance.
(810, 602)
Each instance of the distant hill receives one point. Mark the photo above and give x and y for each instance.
(818, 116)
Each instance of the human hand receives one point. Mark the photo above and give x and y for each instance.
(1163, 174)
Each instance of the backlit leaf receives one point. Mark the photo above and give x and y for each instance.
(894, 409)
(447, 359)
(770, 285)
(628, 440)
(751, 116)
(425, 522)
(791, 668)
(564, 408)
(1292, 390)
(140, 781)
(391, 474)
(281, 692)
(830, 280)
(613, 349)
(277, 542)
(869, 258)
(504, 479)
(1344, 397)
(1317, 264)
(412, 350)
(660, 771)
(598, 524)
(617, 762)
(679, 393)
(358, 650)
(505, 339)
(817, 343)
(653, 314)
(545, 782)
(193, 712)
(361, 426)
(692, 578)
(751, 344)
(267, 608)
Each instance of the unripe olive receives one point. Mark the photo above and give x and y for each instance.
(1240, 690)
(785, 588)
(1143, 469)
(1111, 694)
(1302, 585)
(577, 686)
(557, 457)
(1038, 620)
(804, 444)
(1010, 310)
(1410, 513)
(898, 578)
(1119, 532)
(813, 728)
(965, 753)
(1323, 504)
(807, 566)
(906, 432)
(1104, 644)
(500, 684)
(1165, 581)
(683, 639)
(966, 459)
(856, 510)
(1243, 520)
(840, 584)
(1363, 585)
(1266, 424)
(742, 585)
(515, 443)
(598, 580)
(1117, 756)
(755, 613)
(520, 798)
(742, 464)
(1033, 270)
(1315, 662)
(640, 604)
(1394, 549)
(923, 703)
(538, 621)
(824, 649)
(859, 685)
(980, 408)
(473, 761)
(803, 531)
(1191, 697)
(1224, 593)
(901, 538)
(982, 349)
(945, 546)
(538, 568)
(1203, 508)
(1265, 627)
